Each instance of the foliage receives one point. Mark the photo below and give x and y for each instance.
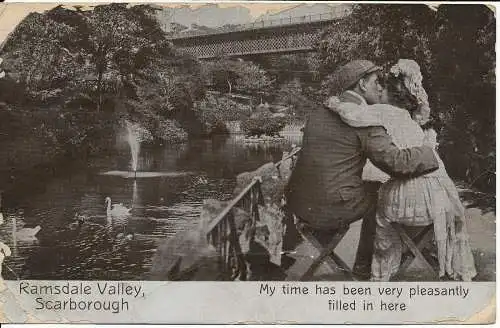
(296, 79)
(293, 95)
(171, 132)
(464, 91)
(81, 72)
(382, 33)
(263, 123)
(228, 75)
(455, 47)
(285, 68)
(35, 47)
(215, 111)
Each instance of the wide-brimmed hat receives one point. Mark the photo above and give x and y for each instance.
(347, 75)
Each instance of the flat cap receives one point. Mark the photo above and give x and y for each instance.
(347, 75)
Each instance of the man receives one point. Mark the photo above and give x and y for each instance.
(326, 190)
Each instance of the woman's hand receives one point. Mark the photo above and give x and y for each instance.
(332, 102)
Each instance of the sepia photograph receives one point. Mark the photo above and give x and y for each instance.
(247, 141)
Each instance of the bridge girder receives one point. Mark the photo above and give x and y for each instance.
(289, 39)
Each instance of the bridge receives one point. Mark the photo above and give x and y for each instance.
(284, 35)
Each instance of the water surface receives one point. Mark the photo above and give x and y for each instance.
(166, 198)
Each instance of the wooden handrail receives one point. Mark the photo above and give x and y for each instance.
(293, 153)
(222, 232)
(232, 203)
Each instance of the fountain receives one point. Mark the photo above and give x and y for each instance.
(134, 141)
(135, 135)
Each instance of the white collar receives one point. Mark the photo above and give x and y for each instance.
(357, 95)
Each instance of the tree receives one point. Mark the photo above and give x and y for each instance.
(382, 33)
(99, 65)
(121, 42)
(285, 68)
(293, 95)
(228, 75)
(455, 47)
(36, 47)
(464, 90)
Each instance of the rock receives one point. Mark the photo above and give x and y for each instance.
(245, 237)
(271, 238)
(274, 180)
(185, 256)
(188, 253)
(285, 168)
(272, 188)
(270, 229)
(188, 256)
(212, 208)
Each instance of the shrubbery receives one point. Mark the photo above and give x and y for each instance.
(263, 123)
(299, 101)
(171, 132)
(214, 111)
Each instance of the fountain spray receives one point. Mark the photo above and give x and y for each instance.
(133, 138)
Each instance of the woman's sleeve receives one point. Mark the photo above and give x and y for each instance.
(402, 163)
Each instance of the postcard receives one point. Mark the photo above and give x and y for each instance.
(247, 162)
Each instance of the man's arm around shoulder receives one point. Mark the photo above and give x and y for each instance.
(402, 163)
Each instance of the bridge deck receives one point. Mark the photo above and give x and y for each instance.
(336, 13)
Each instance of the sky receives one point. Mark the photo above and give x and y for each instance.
(12, 13)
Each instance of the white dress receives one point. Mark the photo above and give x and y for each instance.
(431, 198)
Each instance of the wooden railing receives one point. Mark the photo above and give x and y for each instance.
(223, 235)
(293, 155)
(222, 232)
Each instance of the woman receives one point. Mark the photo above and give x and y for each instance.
(432, 198)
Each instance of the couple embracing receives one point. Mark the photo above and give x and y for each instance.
(367, 156)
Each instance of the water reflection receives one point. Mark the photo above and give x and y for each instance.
(78, 240)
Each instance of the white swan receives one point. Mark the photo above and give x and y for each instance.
(117, 210)
(4, 252)
(28, 233)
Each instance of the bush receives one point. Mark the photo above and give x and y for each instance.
(171, 132)
(263, 124)
(299, 100)
(215, 111)
(155, 128)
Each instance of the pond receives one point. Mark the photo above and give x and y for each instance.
(79, 240)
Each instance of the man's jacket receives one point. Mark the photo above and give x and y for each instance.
(326, 186)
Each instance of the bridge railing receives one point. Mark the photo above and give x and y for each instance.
(336, 13)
